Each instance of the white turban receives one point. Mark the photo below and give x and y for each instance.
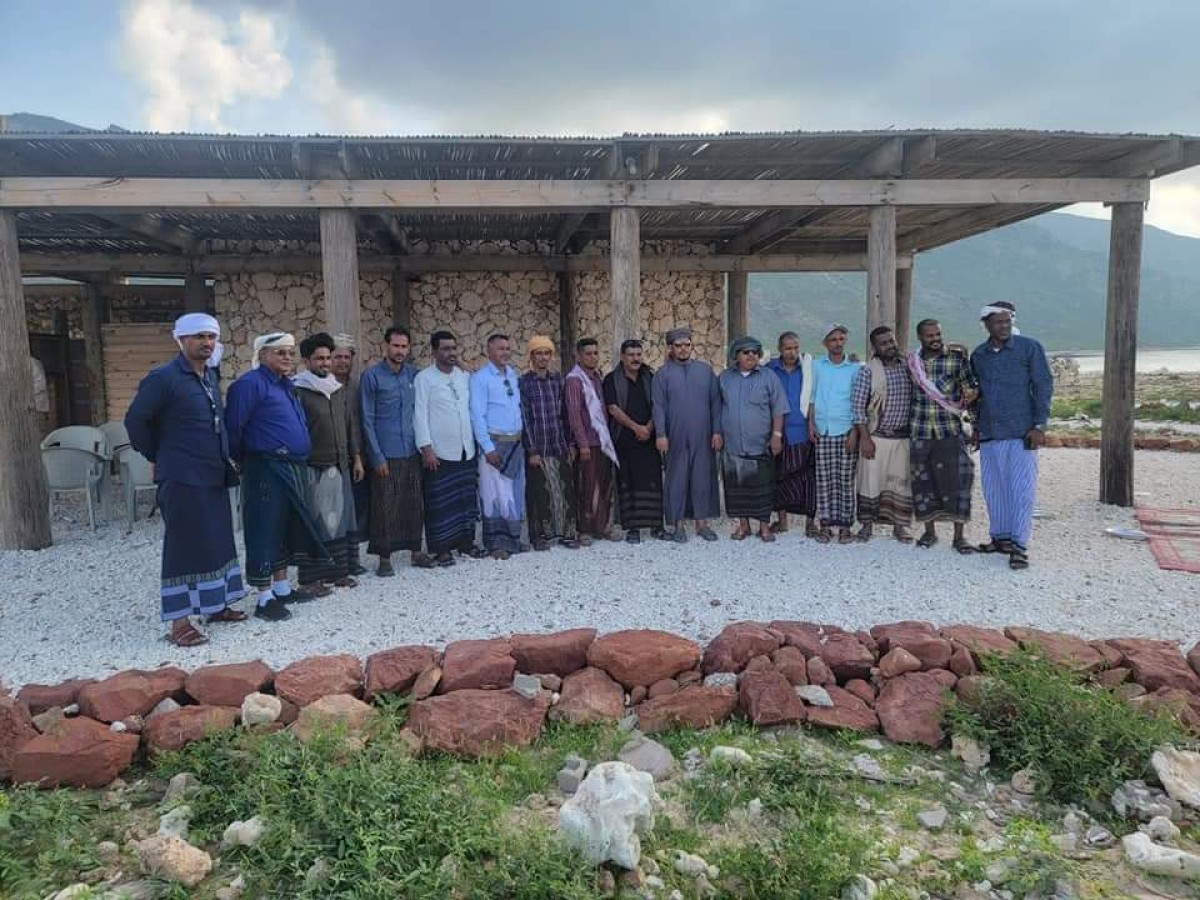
(273, 339)
(341, 341)
(199, 323)
(995, 310)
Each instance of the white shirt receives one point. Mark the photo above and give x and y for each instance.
(442, 413)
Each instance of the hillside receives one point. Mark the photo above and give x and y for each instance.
(1054, 268)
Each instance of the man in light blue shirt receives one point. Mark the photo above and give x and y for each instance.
(831, 429)
(496, 421)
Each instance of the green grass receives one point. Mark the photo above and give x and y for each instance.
(1149, 410)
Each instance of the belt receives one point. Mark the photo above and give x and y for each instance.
(500, 436)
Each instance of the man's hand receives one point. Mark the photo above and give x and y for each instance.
(641, 432)
(662, 444)
(717, 443)
(571, 454)
(381, 470)
(535, 461)
(1035, 438)
(776, 445)
(970, 395)
(357, 472)
(812, 432)
(493, 458)
(866, 447)
(585, 454)
(429, 458)
(852, 441)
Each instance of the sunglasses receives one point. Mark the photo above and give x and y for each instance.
(508, 388)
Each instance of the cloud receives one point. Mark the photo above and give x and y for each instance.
(195, 63)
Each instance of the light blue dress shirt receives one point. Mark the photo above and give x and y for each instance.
(495, 404)
(832, 389)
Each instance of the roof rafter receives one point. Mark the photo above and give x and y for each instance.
(571, 224)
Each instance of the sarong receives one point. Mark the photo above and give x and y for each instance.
(362, 517)
(550, 498)
(277, 525)
(639, 485)
(502, 496)
(796, 480)
(749, 486)
(943, 475)
(884, 485)
(451, 505)
(330, 497)
(835, 481)
(594, 479)
(396, 508)
(200, 571)
(1009, 474)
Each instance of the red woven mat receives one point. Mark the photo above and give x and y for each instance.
(1174, 536)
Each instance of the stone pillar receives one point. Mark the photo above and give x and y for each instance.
(881, 268)
(339, 268)
(737, 306)
(626, 261)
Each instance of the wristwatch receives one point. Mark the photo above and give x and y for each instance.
(776, 434)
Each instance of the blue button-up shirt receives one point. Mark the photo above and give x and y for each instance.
(1015, 387)
(387, 398)
(795, 423)
(175, 421)
(495, 404)
(833, 386)
(264, 417)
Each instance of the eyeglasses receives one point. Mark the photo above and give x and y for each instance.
(508, 388)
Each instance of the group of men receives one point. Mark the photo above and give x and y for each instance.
(412, 460)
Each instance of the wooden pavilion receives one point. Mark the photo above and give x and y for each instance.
(90, 206)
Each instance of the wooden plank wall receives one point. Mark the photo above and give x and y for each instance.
(130, 351)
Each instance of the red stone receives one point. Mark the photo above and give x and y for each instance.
(790, 661)
(315, 677)
(807, 637)
(289, 712)
(638, 694)
(972, 688)
(662, 688)
(589, 695)
(980, 641)
(847, 657)
(16, 730)
(80, 752)
(1110, 678)
(427, 682)
(691, 676)
(228, 685)
(898, 661)
(131, 693)
(485, 665)
(1157, 664)
(910, 709)
(476, 722)
(1063, 650)
(1182, 705)
(819, 673)
(759, 663)
(1193, 658)
(41, 697)
(736, 645)
(1112, 656)
(863, 690)
(560, 653)
(918, 638)
(175, 730)
(962, 662)
(695, 706)
(768, 698)
(848, 711)
(945, 677)
(395, 671)
(643, 656)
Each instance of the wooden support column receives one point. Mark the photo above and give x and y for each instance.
(881, 268)
(625, 248)
(24, 502)
(568, 320)
(195, 293)
(904, 287)
(339, 268)
(93, 306)
(737, 306)
(401, 304)
(1120, 354)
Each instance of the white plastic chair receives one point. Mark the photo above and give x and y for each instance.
(70, 470)
(79, 437)
(118, 439)
(137, 474)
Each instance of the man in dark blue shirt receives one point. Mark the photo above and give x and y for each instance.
(268, 436)
(1015, 387)
(175, 421)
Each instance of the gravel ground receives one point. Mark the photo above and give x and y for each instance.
(88, 606)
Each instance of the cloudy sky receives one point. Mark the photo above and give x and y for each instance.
(558, 67)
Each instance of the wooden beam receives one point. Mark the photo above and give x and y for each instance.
(401, 301)
(918, 153)
(568, 318)
(881, 268)
(196, 295)
(1120, 354)
(737, 307)
(565, 196)
(904, 294)
(625, 286)
(24, 501)
(93, 309)
(572, 223)
(339, 270)
(966, 224)
(156, 231)
(1148, 161)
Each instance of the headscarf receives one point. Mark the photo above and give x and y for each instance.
(199, 323)
(540, 342)
(997, 308)
(272, 339)
(342, 341)
(679, 334)
(744, 343)
(832, 327)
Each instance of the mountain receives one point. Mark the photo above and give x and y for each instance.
(1054, 268)
(32, 122)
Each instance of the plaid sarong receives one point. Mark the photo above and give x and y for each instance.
(943, 475)
(835, 481)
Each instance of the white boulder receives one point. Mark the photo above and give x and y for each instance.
(609, 812)
(1179, 772)
(1148, 856)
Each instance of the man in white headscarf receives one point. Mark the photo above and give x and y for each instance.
(176, 421)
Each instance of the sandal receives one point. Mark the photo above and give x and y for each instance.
(188, 636)
(811, 530)
(740, 534)
(963, 546)
(927, 540)
(778, 528)
(706, 533)
(347, 582)
(424, 561)
(846, 536)
(444, 560)
(995, 547)
(766, 535)
(902, 535)
(1018, 560)
(228, 614)
(822, 536)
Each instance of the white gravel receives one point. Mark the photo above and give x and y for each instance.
(88, 605)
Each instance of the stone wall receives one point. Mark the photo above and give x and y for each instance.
(154, 306)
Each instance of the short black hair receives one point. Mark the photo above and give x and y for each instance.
(396, 329)
(586, 342)
(880, 330)
(437, 337)
(315, 342)
(492, 338)
(631, 344)
(788, 335)
(925, 322)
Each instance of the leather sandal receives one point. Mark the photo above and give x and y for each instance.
(228, 614)
(188, 636)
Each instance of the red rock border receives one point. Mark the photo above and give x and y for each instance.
(1143, 442)
(892, 678)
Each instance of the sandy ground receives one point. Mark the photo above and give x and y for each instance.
(89, 605)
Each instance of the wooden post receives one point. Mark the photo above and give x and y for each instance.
(626, 259)
(92, 306)
(195, 293)
(1120, 354)
(737, 306)
(904, 287)
(401, 303)
(339, 267)
(568, 320)
(881, 268)
(24, 502)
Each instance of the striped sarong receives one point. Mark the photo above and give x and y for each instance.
(1009, 474)
(396, 509)
(331, 499)
(595, 481)
(749, 486)
(796, 480)
(835, 481)
(884, 485)
(451, 505)
(943, 475)
(550, 498)
(200, 571)
(639, 485)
